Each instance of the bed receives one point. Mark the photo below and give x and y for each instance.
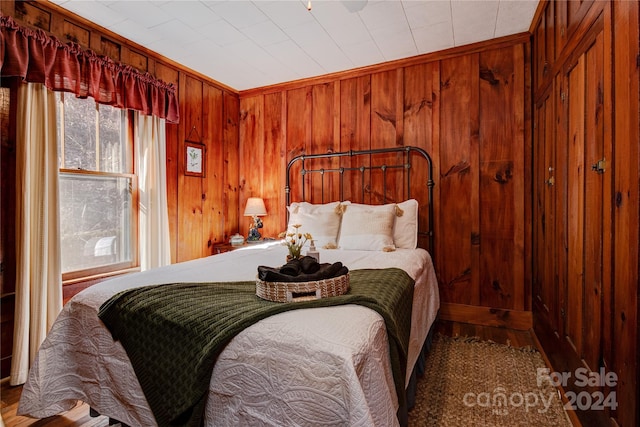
(310, 366)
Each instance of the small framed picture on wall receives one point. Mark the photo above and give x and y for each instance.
(195, 159)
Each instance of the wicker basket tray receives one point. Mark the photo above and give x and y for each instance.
(302, 291)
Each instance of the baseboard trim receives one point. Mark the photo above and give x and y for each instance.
(573, 417)
(487, 316)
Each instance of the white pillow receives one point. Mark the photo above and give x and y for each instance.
(368, 228)
(405, 227)
(313, 208)
(322, 221)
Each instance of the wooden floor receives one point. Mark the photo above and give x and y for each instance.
(79, 416)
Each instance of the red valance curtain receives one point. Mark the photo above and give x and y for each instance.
(38, 57)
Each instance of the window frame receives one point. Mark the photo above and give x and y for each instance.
(131, 173)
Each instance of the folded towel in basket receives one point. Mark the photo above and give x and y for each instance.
(305, 269)
(309, 265)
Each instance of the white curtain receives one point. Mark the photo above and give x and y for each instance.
(38, 275)
(151, 166)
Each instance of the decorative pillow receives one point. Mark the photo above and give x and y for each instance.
(314, 208)
(322, 221)
(405, 227)
(368, 228)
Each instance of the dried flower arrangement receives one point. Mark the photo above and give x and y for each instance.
(295, 240)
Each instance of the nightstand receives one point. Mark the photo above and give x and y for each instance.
(228, 247)
(225, 247)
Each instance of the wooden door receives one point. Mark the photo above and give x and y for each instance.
(584, 97)
(545, 286)
(596, 203)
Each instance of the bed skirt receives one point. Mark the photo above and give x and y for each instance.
(418, 371)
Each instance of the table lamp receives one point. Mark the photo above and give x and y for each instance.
(255, 208)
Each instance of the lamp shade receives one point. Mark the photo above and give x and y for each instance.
(255, 207)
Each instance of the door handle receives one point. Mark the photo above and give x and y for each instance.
(600, 166)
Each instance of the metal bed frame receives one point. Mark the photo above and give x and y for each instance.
(404, 164)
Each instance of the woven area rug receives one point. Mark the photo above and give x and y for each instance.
(469, 382)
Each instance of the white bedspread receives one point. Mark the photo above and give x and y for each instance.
(322, 366)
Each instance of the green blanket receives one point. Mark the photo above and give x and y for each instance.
(173, 333)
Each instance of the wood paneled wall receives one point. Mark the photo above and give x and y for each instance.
(468, 109)
(206, 207)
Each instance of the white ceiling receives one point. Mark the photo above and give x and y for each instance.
(246, 44)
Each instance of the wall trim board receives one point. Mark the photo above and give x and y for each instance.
(487, 316)
(573, 417)
(560, 357)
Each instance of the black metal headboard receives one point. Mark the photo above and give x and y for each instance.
(363, 163)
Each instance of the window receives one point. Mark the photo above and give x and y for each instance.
(98, 207)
